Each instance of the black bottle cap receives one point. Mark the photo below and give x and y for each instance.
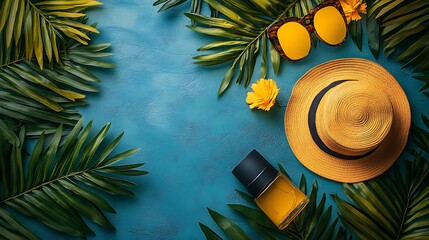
(255, 173)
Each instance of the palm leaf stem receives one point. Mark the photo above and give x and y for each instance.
(264, 31)
(57, 189)
(4, 65)
(30, 94)
(292, 4)
(4, 201)
(295, 225)
(250, 46)
(39, 12)
(38, 25)
(404, 215)
(13, 62)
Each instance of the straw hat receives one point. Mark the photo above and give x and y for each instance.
(347, 120)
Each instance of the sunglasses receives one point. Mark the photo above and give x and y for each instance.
(291, 36)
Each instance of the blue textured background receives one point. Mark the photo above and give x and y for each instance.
(190, 138)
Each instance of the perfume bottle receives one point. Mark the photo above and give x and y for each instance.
(273, 192)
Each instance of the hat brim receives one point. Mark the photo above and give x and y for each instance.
(332, 166)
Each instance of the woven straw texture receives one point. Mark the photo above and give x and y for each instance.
(366, 115)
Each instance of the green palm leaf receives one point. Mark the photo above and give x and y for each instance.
(355, 29)
(421, 136)
(166, 4)
(424, 77)
(37, 25)
(373, 34)
(391, 206)
(372, 31)
(57, 185)
(314, 222)
(231, 229)
(44, 99)
(401, 22)
(241, 35)
(196, 6)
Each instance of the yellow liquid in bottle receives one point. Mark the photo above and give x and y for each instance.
(281, 201)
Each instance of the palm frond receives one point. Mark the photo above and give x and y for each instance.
(241, 35)
(196, 6)
(424, 77)
(355, 29)
(312, 223)
(402, 23)
(421, 136)
(372, 31)
(58, 182)
(44, 99)
(391, 206)
(38, 25)
(12, 229)
(167, 4)
(231, 229)
(395, 205)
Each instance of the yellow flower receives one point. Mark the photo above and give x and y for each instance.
(352, 8)
(264, 94)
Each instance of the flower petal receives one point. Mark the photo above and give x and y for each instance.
(355, 16)
(264, 94)
(352, 8)
(362, 8)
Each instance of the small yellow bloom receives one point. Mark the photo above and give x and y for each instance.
(352, 8)
(264, 94)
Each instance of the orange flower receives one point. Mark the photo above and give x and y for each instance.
(264, 94)
(352, 8)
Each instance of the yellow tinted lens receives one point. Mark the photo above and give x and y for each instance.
(330, 26)
(294, 40)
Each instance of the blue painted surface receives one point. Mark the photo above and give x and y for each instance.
(190, 138)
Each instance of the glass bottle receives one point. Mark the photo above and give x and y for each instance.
(274, 193)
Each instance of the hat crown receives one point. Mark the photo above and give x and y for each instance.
(354, 118)
(305, 114)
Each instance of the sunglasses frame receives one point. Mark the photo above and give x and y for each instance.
(308, 22)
